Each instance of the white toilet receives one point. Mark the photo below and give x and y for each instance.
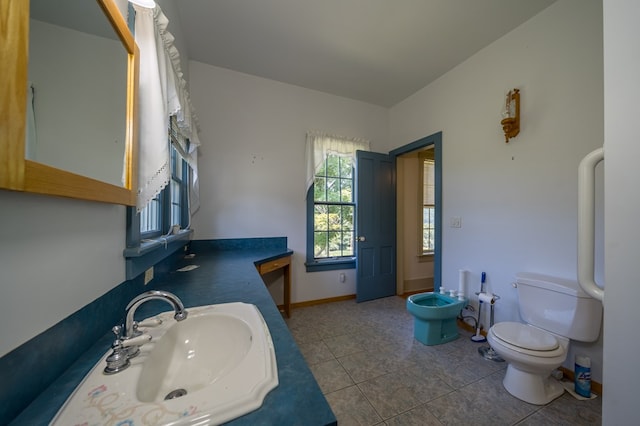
(556, 311)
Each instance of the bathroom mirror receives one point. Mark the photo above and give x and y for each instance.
(72, 130)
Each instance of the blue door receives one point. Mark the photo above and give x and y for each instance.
(375, 225)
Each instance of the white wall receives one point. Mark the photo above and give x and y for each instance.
(518, 200)
(252, 169)
(622, 208)
(56, 256)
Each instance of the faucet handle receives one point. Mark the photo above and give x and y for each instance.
(117, 330)
(118, 360)
(149, 322)
(136, 341)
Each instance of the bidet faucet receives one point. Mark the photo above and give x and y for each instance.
(172, 299)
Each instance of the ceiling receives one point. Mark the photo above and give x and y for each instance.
(80, 15)
(376, 51)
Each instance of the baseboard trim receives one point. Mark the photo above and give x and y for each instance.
(469, 327)
(308, 303)
(595, 386)
(411, 293)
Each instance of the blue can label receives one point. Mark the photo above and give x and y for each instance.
(583, 381)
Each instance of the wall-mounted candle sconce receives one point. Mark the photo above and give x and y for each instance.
(511, 121)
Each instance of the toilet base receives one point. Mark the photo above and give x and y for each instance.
(435, 332)
(435, 317)
(532, 388)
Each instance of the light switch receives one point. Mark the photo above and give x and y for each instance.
(456, 222)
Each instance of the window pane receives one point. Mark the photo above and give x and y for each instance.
(334, 217)
(320, 242)
(323, 170)
(334, 244)
(150, 217)
(333, 166)
(333, 189)
(428, 191)
(346, 167)
(346, 190)
(347, 243)
(319, 189)
(428, 229)
(320, 218)
(347, 218)
(175, 202)
(177, 163)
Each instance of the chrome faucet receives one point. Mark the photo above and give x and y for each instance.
(128, 341)
(129, 324)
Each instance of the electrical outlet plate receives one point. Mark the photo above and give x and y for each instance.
(456, 222)
(148, 275)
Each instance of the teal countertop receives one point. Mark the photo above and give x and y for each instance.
(227, 275)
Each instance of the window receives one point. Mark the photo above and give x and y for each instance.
(331, 208)
(151, 218)
(178, 186)
(427, 172)
(149, 233)
(334, 209)
(170, 206)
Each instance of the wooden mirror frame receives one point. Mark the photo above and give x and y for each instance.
(20, 174)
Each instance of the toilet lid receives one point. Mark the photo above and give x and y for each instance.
(525, 336)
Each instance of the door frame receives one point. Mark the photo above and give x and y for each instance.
(435, 140)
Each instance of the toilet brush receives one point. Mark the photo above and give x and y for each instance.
(479, 338)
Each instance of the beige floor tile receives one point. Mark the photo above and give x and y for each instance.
(330, 376)
(403, 382)
(419, 416)
(315, 352)
(397, 392)
(352, 408)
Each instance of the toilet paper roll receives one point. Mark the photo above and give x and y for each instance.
(487, 298)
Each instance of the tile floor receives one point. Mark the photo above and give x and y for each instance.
(373, 372)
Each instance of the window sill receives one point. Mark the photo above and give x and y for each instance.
(330, 264)
(428, 257)
(150, 252)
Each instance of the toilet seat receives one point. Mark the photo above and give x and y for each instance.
(526, 339)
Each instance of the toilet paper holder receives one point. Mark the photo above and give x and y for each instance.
(487, 297)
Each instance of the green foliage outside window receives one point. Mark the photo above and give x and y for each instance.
(334, 209)
(428, 203)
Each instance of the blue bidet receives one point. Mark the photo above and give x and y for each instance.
(435, 317)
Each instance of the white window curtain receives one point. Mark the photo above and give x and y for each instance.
(162, 93)
(320, 144)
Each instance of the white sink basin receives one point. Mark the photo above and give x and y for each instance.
(216, 365)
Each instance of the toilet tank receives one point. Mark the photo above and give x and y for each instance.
(558, 305)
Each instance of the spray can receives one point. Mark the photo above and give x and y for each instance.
(583, 376)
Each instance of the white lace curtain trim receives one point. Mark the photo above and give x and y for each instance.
(184, 111)
(162, 93)
(320, 144)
